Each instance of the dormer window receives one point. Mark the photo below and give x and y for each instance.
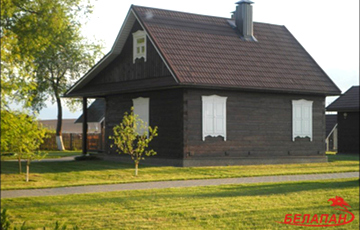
(139, 41)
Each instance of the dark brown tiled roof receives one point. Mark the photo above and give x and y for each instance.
(349, 101)
(207, 51)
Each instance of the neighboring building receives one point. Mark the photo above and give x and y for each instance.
(347, 108)
(331, 132)
(69, 126)
(222, 91)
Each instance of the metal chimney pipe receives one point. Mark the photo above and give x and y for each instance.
(244, 20)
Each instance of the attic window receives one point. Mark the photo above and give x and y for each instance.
(302, 119)
(139, 48)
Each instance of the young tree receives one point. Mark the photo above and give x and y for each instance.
(132, 136)
(22, 135)
(29, 156)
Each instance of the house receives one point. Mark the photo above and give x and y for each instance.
(347, 108)
(223, 91)
(331, 132)
(68, 125)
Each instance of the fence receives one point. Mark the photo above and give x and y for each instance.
(73, 141)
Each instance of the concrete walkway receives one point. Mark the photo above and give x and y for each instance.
(171, 184)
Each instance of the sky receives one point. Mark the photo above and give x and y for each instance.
(327, 29)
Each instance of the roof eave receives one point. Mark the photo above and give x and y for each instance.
(343, 109)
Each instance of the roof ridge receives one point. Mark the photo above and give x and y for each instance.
(202, 15)
(182, 12)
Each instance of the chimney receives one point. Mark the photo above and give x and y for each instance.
(244, 20)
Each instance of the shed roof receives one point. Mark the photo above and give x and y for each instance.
(349, 101)
(95, 112)
(207, 51)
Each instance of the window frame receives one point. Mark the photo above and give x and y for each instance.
(214, 101)
(140, 34)
(304, 121)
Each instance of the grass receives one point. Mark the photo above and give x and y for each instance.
(247, 206)
(331, 153)
(76, 173)
(50, 155)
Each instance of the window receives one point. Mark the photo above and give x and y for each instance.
(141, 108)
(214, 116)
(302, 118)
(139, 41)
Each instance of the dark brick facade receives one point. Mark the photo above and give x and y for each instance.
(348, 132)
(259, 128)
(165, 112)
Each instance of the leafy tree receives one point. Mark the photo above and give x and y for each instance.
(42, 51)
(22, 135)
(58, 66)
(132, 136)
(28, 27)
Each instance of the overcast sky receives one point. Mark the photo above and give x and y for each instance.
(327, 29)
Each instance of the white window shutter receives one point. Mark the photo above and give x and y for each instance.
(214, 116)
(141, 108)
(209, 117)
(220, 116)
(302, 119)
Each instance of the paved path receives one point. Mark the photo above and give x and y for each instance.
(171, 184)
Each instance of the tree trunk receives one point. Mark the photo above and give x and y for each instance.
(27, 170)
(136, 168)
(59, 141)
(19, 160)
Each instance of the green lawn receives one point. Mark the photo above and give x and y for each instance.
(50, 155)
(60, 174)
(251, 206)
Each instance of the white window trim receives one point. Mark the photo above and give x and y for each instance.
(302, 104)
(143, 102)
(213, 99)
(139, 34)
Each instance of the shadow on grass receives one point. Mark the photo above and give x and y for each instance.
(209, 192)
(343, 157)
(11, 167)
(282, 188)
